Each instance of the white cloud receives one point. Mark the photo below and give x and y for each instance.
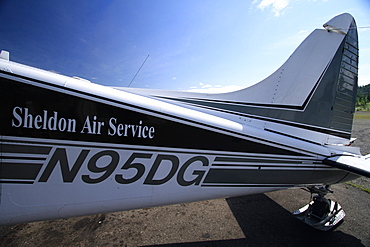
(215, 89)
(276, 5)
(364, 65)
(364, 81)
(302, 31)
(207, 86)
(363, 74)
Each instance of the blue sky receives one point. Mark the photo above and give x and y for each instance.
(192, 44)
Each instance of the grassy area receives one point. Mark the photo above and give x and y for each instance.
(358, 187)
(362, 115)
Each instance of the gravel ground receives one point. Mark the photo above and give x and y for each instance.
(257, 220)
(361, 131)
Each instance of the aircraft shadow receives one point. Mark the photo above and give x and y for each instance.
(266, 223)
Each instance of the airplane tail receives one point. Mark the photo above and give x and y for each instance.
(315, 89)
(311, 96)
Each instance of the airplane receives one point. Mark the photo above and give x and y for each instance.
(70, 147)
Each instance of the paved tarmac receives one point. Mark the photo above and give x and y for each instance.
(257, 220)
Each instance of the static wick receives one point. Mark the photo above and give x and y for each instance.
(138, 71)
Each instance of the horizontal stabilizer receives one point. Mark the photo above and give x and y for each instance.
(358, 165)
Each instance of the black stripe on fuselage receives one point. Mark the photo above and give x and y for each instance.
(328, 131)
(237, 177)
(24, 171)
(222, 108)
(239, 145)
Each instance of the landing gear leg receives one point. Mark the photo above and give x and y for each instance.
(321, 213)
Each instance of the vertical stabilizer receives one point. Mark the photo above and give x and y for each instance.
(344, 100)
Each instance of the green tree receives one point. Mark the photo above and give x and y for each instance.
(363, 98)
